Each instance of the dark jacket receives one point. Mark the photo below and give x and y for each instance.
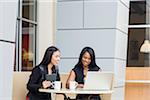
(37, 76)
(79, 71)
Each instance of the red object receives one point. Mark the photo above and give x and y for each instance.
(27, 98)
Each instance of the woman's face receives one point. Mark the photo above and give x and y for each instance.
(55, 57)
(86, 59)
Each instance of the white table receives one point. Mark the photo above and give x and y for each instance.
(77, 91)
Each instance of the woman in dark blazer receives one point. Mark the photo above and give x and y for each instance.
(38, 76)
(78, 73)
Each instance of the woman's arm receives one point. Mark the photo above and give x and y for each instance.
(34, 82)
(71, 77)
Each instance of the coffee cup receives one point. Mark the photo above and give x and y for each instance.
(72, 85)
(57, 85)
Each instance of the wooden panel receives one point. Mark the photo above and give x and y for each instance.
(137, 91)
(138, 73)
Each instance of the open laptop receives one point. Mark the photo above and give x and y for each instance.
(96, 80)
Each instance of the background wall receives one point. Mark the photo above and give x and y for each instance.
(100, 24)
(8, 16)
(46, 27)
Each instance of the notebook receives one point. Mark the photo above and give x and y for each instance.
(96, 80)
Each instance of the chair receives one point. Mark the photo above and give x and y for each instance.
(20, 80)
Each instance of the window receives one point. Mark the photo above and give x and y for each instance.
(139, 30)
(137, 14)
(26, 35)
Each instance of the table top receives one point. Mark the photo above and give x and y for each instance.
(76, 91)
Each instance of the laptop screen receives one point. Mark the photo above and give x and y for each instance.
(96, 80)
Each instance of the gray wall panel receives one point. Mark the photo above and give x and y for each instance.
(100, 14)
(8, 13)
(118, 93)
(118, 66)
(70, 14)
(122, 17)
(119, 70)
(1, 19)
(6, 69)
(65, 65)
(121, 45)
(72, 41)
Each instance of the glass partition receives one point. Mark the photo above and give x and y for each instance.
(136, 37)
(29, 9)
(137, 12)
(138, 32)
(26, 35)
(28, 32)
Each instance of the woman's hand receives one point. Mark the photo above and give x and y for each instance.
(80, 86)
(46, 84)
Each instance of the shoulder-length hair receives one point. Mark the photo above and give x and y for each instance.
(48, 55)
(93, 64)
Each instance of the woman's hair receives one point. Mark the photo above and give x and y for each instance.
(92, 55)
(48, 55)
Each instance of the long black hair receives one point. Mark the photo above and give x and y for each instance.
(92, 65)
(48, 55)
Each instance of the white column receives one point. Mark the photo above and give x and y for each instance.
(100, 24)
(8, 18)
(46, 26)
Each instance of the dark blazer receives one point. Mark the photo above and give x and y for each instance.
(37, 76)
(79, 72)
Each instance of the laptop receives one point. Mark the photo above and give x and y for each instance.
(96, 80)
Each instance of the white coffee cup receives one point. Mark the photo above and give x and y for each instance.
(57, 85)
(72, 85)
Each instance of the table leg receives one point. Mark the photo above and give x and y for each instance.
(53, 96)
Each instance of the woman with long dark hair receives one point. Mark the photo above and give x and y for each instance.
(78, 73)
(48, 66)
